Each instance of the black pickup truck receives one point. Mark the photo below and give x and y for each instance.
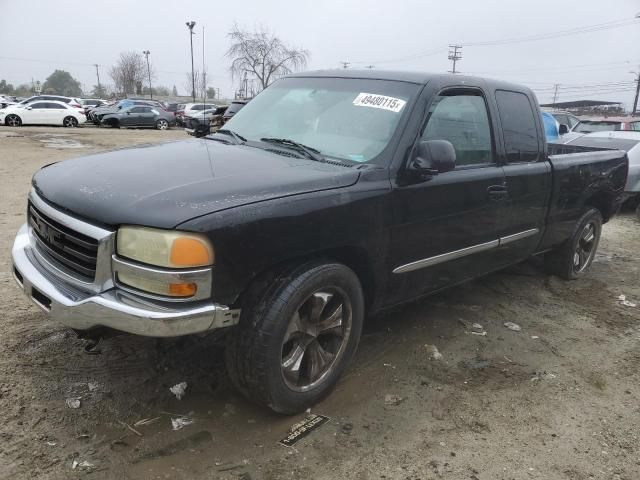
(330, 196)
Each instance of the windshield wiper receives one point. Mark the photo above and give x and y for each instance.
(310, 152)
(239, 139)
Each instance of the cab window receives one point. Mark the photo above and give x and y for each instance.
(518, 126)
(462, 119)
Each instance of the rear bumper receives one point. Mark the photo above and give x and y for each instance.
(113, 308)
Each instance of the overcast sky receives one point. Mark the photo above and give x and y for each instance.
(38, 36)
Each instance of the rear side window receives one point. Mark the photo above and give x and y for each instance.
(463, 121)
(56, 106)
(518, 126)
(38, 106)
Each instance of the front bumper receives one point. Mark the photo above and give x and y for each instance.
(112, 308)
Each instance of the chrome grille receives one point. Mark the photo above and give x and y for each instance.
(70, 249)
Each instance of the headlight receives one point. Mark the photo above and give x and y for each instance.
(164, 248)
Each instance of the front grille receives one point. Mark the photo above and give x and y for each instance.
(71, 250)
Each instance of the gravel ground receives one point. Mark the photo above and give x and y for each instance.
(559, 399)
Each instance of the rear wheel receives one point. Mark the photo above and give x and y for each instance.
(13, 120)
(70, 122)
(297, 333)
(575, 256)
(162, 124)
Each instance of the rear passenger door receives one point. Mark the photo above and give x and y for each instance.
(56, 113)
(527, 173)
(146, 117)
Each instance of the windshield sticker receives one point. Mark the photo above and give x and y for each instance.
(379, 101)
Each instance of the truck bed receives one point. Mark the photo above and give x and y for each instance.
(582, 176)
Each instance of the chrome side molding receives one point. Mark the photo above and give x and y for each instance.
(463, 252)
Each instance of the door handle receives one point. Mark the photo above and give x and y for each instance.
(498, 192)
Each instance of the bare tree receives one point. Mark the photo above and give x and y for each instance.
(129, 72)
(201, 82)
(262, 54)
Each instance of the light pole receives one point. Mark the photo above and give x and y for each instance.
(190, 26)
(146, 54)
(635, 101)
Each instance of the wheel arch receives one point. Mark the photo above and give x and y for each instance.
(604, 203)
(353, 257)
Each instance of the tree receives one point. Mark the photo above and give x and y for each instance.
(160, 90)
(129, 72)
(263, 55)
(200, 81)
(211, 92)
(6, 87)
(174, 92)
(99, 92)
(62, 83)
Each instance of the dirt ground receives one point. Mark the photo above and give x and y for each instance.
(559, 399)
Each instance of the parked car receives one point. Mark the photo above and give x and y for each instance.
(74, 102)
(329, 197)
(202, 123)
(601, 124)
(42, 113)
(189, 108)
(140, 116)
(234, 107)
(96, 115)
(172, 107)
(6, 100)
(627, 141)
(92, 102)
(566, 118)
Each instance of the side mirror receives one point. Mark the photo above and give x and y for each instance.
(29, 108)
(563, 128)
(433, 157)
(128, 113)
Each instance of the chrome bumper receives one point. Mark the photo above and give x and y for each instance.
(112, 308)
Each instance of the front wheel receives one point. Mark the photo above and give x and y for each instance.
(13, 121)
(297, 333)
(70, 122)
(162, 124)
(575, 256)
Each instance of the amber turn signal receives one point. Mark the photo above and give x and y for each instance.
(190, 252)
(182, 289)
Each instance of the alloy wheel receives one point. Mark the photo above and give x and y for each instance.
(585, 248)
(316, 337)
(162, 124)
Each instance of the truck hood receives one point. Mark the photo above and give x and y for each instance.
(165, 185)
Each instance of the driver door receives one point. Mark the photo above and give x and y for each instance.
(447, 227)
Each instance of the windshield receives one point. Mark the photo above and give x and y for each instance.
(588, 127)
(351, 119)
(606, 142)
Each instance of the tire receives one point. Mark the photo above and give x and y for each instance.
(574, 257)
(70, 122)
(162, 124)
(279, 356)
(13, 121)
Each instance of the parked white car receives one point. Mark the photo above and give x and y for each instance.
(48, 112)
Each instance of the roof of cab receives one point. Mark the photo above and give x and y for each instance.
(420, 78)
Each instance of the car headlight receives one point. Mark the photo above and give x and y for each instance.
(164, 248)
(171, 250)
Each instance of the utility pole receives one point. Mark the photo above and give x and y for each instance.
(345, 64)
(635, 101)
(555, 93)
(98, 75)
(190, 26)
(146, 54)
(455, 55)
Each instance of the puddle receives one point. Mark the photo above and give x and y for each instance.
(61, 141)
